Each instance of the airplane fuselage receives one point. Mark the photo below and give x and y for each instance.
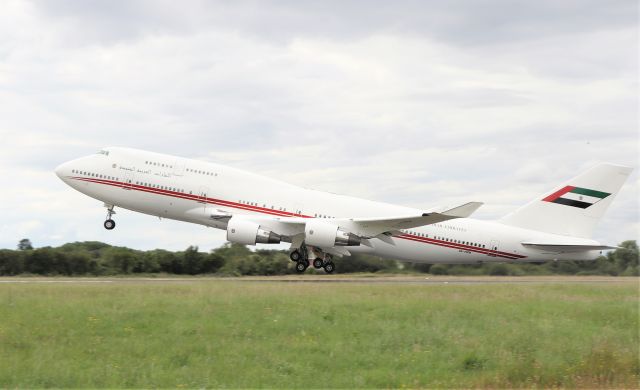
(190, 190)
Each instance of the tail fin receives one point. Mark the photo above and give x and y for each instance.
(574, 208)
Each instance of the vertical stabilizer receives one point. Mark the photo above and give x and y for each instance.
(575, 207)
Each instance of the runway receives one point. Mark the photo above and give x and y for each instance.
(332, 279)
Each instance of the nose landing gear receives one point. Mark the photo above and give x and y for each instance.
(109, 224)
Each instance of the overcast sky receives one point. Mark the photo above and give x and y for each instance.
(419, 103)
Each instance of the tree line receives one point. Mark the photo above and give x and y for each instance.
(98, 259)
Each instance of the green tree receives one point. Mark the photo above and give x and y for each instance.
(626, 255)
(211, 263)
(193, 261)
(420, 267)
(363, 263)
(40, 261)
(146, 262)
(11, 262)
(116, 260)
(25, 245)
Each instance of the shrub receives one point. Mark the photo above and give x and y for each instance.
(439, 269)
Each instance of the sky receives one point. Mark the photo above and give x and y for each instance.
(418, 103)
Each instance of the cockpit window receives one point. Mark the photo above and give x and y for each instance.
(102, 151)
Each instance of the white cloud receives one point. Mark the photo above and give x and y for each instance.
(417, 104)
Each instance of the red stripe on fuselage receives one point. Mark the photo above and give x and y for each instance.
(279, 213)
(197, 198)
(484, 251)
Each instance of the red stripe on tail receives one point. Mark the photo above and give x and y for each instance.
(558, 194)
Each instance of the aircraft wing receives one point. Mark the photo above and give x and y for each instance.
(369, 227)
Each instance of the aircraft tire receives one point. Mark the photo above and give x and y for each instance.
(329, 267)
(109, 224)
(295, 256)
(318, 263)
(302, 266)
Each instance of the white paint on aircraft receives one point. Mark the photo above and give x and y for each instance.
(255, 209)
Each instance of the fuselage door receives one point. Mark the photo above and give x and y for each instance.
(297, 209)
(494, 245)
(203, 193)
(128, 179)
(178, 168)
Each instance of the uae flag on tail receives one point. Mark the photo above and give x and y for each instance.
(576, 197)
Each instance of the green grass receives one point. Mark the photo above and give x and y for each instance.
(218, 333)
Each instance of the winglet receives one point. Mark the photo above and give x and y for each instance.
(463, 211)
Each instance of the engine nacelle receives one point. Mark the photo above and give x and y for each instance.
(325, 235)
(249, 233)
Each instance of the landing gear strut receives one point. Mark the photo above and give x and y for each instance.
(328, 265)
(109, 224)
(301, 258)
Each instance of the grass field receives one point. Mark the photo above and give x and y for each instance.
(221, 333)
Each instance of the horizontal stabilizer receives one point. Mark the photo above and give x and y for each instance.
(568, 248)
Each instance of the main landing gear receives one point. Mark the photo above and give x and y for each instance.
(301, 258)
(109, 224)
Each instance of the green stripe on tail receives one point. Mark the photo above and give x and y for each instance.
(588, 192)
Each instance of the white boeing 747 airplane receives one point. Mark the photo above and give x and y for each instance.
(254, 209)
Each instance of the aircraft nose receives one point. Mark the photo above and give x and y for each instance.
(62, 170)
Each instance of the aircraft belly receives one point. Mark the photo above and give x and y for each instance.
(420, 252)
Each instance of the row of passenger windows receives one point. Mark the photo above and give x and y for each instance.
(447, 239)
(166, 188)
(202, 172)
(280, 208)
(264, 205)
(198, 171)
(158, 164)
(91, 174)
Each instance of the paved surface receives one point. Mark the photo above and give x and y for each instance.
(335, 279)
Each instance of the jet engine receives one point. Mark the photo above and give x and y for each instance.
(321, 234)
(249, 233)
